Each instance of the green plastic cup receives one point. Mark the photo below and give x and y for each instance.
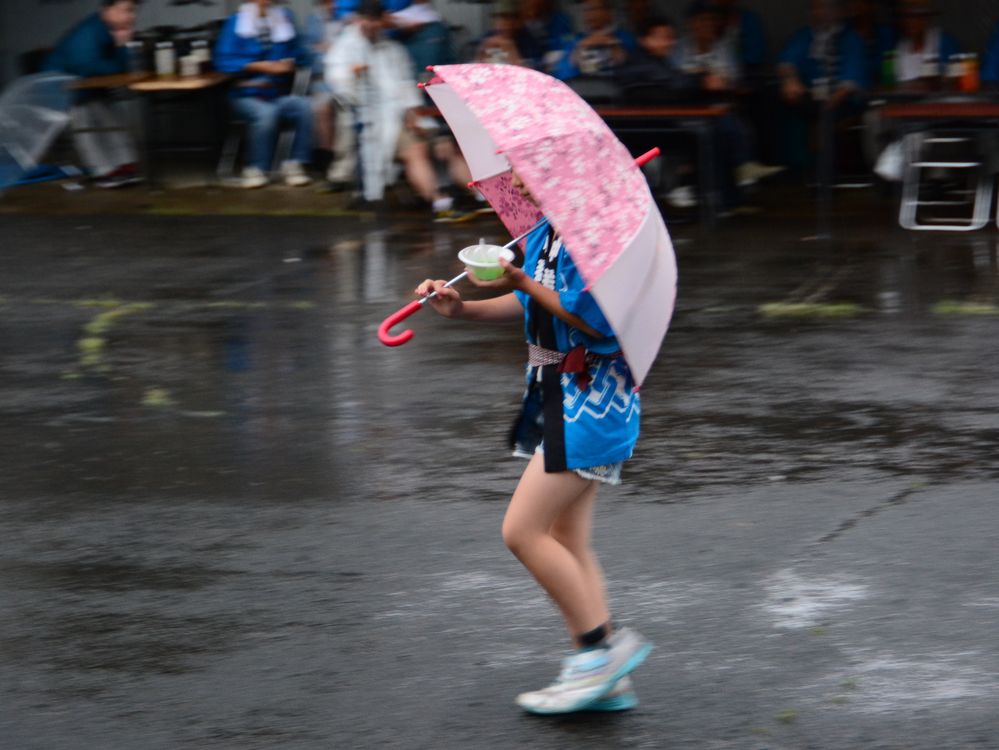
(483, 260)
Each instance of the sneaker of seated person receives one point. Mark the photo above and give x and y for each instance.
(682, 197)
(446, 213)
(253, 177)
(121, 176)
(753, 171)
(294, 174)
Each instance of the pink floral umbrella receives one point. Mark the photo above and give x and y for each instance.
(585, 181)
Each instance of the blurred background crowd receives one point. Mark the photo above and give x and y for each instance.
(327, 95)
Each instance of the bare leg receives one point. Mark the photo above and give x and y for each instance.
(447, 152)
(573, 529)
(538, 503)
(322, 109)
(420, 174)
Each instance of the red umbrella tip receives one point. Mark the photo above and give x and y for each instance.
(430, 68)
(471, 184)
(421, 85)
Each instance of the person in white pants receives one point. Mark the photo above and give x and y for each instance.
(373, 75)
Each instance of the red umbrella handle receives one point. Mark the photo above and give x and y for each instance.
(648, 156)
(395, 318)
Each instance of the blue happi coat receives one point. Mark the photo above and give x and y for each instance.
(583, 427)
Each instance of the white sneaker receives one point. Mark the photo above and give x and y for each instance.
(682, 197)
(588, 676)
(294, 175)
(253, 177)
(752, 172)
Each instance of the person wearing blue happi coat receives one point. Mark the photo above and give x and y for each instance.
(261, 46)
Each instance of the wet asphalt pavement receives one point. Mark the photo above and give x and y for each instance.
(230, 518)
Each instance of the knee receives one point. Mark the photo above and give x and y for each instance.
(297, 108)
(263, 120)
(414, 152)
(517, 537)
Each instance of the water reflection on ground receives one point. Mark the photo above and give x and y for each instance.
(221, 493)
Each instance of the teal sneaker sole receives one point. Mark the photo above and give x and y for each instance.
(624, 702)
(586, 704)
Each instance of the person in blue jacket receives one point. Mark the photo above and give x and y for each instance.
(579, 422)
(97, 47)
(822, 67)
(824, 61)
(990, 62)
(599, 50)
(544, 31)
(261, 46)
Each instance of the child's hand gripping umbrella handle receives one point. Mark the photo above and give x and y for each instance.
(400, 315)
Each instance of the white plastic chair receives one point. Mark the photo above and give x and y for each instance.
(918, 148)
(34, 110)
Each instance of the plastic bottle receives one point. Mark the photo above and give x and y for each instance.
(955, 71)
(166, 61)
(888, 69)
(970, 81)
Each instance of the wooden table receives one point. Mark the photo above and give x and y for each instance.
(116, 81)
(161, 84)
(149, 83)
(153, 91)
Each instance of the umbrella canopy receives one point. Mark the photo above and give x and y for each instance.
(585, 182)
(33, 111)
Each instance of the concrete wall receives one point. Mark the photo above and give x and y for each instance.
(30, 24)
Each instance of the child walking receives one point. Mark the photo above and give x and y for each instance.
(578, 424)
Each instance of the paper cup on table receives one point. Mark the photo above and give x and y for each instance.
(484, 260)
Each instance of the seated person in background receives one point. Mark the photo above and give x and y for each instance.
(544, 32)
(652, 73)
(824, 61)
(702, 51)
(259, 43)
(990, 62)
(600, 49)
(96, 47)
(741, 30)
(374, 74)
(923, 48)
(652, 65)
(500, 44)
(705, 54)
(425, 35)
(921, 58)
(822, 68)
